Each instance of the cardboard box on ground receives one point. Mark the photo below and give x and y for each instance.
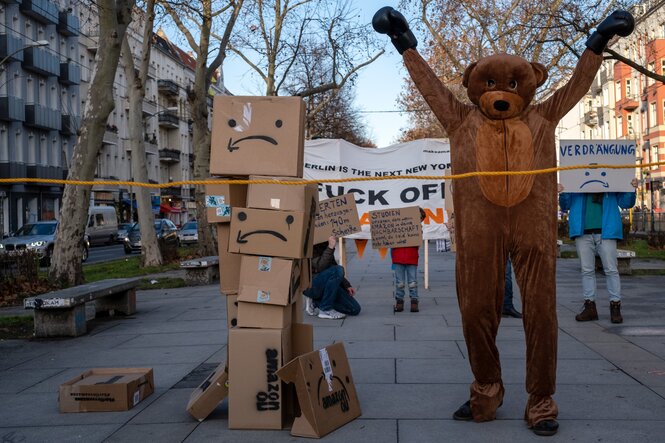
(396, 228)
(257, 135)
(220, 199)
(106, 389)
(205, 398)
(325, 390)
(337, 216)
(257, 398)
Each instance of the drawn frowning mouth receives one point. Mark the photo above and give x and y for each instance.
(233, 144)
(605, 184)
(242, 238)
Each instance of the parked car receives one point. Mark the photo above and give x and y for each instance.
(164, 228)
(189, 233)
(123, 229)
(102, 225)
(38, 237)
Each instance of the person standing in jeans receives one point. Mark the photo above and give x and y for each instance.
(405, 270)
(595, 225)
(331, 295)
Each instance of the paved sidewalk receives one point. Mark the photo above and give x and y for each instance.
(411, 370)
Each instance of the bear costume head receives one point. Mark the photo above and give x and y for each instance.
(503, 85)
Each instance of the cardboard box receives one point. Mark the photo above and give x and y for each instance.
(287, 234)
(337, 216)
(257, 135)
(297, 309)
(205, 398)
(106, 389)
(305, 274)
(231, 311)
(396, 228)
(281, 197)
(220, 199)
(260, 315)
(229, 264)
(326, 394)
(302, 339)
(269, 280)
(257, 398)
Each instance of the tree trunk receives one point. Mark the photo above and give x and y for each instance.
(66, 269)
(150, 253)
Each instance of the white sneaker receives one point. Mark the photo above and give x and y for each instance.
(310, 308)
(332, 314)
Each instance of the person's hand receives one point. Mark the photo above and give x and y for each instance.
(559, 187)
(332, 241)
(634, 182)
(352, 292)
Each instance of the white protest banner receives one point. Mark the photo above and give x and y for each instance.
(334, 158)
(597, 152)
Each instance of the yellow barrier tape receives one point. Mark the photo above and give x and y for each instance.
(296, 182)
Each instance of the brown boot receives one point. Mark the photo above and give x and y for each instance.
(615, 312)
(399, 305)
(589, 312)
(414, 305)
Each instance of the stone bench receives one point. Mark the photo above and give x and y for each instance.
(201, 271)
(624, 262)
(62, 313)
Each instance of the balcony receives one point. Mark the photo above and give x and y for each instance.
(10, 44)
(41, 10)
(70, 74)
(70, 125)
(591, 118)
(42, 117)
(41, 61)
(173, 191)
(12, 109)
(110, 135)
(68, 24)
(169, 155)
(149, 108)
(168, 120)
(168, 87)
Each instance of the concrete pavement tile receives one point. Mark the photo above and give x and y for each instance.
(655, 345)
(219, 356)
(156, 327)
(406, 319)
(157, 432)
(591, 333)
(357, 431)
(414, 333)
(516, 431)
(17, 352)
(567, 348)
(56, 433)
(358, 332)
(623, 352)
(372, 370)
(405, 349)
(14, 381)
(176, 339)
(171, 407)
(648, 373)
(202, 313)
(609, 402)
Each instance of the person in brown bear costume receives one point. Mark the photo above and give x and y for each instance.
(505, 215)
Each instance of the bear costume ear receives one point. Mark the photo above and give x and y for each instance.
(541, 73)
(467, 74)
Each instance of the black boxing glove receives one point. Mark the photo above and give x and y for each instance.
(619, 23)
(389, 21)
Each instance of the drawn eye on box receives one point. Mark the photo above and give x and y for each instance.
(278, 232)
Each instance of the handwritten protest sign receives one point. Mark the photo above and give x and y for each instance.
(337, 216)
(597, 152)
(395, 228)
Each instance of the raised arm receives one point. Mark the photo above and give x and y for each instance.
(447, 108)
(565, 98)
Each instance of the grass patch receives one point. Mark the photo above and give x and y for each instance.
(648, 271)
(643, 250)
(568, 254)
(123, 268)
(16, 327)
(162, 283)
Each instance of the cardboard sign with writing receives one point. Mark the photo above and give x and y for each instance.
(287, 234)
(337, 216)
(396, 228)
(325, 389)
(256, 395)
(257, 135)
(106, 389)
(205, 398)
(597, 152)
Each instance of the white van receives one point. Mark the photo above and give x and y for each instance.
(102, 225)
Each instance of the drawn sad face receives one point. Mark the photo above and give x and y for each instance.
(594, 177)
(280, 231)
(254, 140)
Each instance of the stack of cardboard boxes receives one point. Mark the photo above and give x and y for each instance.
(265, 234)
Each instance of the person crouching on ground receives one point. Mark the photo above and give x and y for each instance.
(331, 293)
(405, 271)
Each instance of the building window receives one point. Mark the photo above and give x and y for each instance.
(652, 68)
(629, 125)
(628, 89)
(617, 90)
(653, 118)
(654, 155)
(619, 126)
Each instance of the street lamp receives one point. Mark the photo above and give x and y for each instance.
(29, 45)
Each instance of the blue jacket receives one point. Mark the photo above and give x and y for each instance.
(611, 224)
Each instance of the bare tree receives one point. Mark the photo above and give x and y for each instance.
(202, 16)
(136, 77)
(114, 17)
